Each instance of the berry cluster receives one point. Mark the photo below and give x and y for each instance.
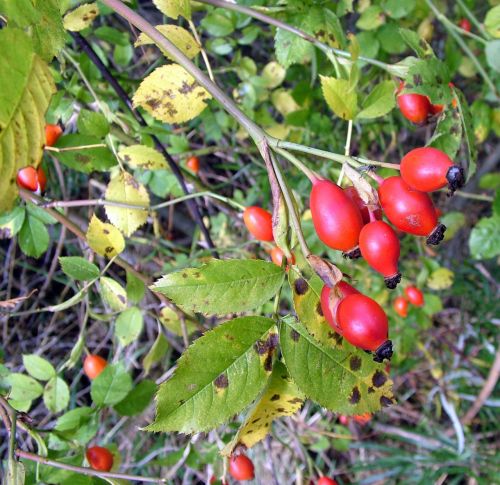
(412, 295)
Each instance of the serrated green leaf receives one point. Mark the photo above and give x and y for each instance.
(48, 32)
(342, 102)
(156, 353)
(79, 268)
(11, 222)
(113, 294)
(33, 237)
(429, 77)
(23, 388)
(137, 399)
(333, 377)
(484, 241)
(92, 123)
(111, 385)
(447, 136)
(290, 48)
(56, 395)
(379, 102)
(27, 86)
(222, 286)
(38, 367)
(128, 326)
(217, 376)
(419, 45)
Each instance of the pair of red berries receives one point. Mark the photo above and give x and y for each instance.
(361, 419)
(413, 296)
(99, 458)
(32, 179)
(358, 318)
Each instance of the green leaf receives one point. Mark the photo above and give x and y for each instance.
(290, 48)
(40, 214)
(16, 473)
(27, 86)
(217, 376)
(38, 367)
(23, 388)
(174, 8)
(222, 286)
(447, 136)
(56, 395)
(484, 242)
(111, 386)
(398, 9)
(137, 399)
(453, 221)
(490, 181)
(135, 288)
(85, 160)
(92, 123)
(492, 21)
(11, 222)
(156, 353)
(468, 131)
(33, 237)
(371, 18)
(79, 268)
(73, 419)
(113, 294)
(219, 23)
(416, 43)
(493, 54)
(343, 103)
(379, 102)
(128, 326)
(333, 377)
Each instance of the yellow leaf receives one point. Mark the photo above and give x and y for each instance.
(124, 188)
(273, 74)
(284, 102)
(171, 321)
(180, 37)
(141, 156)
(113, 294)
(174, 8)
(171, 94)
(440, 279)
(278, 131)
(342, 101)
(281, 398)
(105, 239)
(80, 18)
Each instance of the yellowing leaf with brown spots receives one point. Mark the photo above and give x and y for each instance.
(81, 17)
(343, 379)
(171, 321)
(174, 8)
(181, 38)
(171, 94)
(220, 374)
(141, 156)
(282, 397)
(113, 294)
(124, 188)
(105, 239)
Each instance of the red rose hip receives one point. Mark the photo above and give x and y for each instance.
(464, 24)
(241, 467)
(379, 247)
(52, 134)
(193, 163)
(415, 296)
(410, 210)
(259, 223)
(414, 107)
(364, 324)
(27, 178)
(352, 193)
(428, 169)
(326, 481)
(336, 218)
(100, 458)
(400, 306)
(93, 365)
(329, 306)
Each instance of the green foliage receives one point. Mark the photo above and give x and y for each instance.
(111, 386)
(484, 242)
(79, 268)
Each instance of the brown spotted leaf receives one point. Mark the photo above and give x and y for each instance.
(336, 378)
(281, 397)
(220, 374)
(171, 94)
(103, 238)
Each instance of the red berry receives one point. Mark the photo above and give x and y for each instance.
(379, 246)
(364, 324)
(42, 179)
(428, 169)
(100, 458)
(344, 420)
(336, 218)
(193, 163)
(277, 256)
(241, 467)
(415, 296)
(400, 306)
(410, 210)
(329, 308)
(464, 24)
(362, 418)
(352, 193)
(414, 107)
(52, 133)
(93, 365)
(259, 223)
(27, 178)
(326, 481)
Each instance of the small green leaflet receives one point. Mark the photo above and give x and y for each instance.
(156, 353)
(468, 130)
(11, 222)
(128, 325)
(379, 102)
(484, 242)
(220, 374)
(79, 268)
(341, 100)
(38, 367)
(335, 378)
(33, 237)
(56, 395)
(447, 136)
(111, 386)
(23, 388)
(222, 287)
(137, 399)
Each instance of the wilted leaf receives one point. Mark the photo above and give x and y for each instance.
(273, 74)
(141, 156)
(124, 188)
(171, 94)
(172, 322)
(81, 17)
(217, 376)
(180, 37)
(103, 238)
